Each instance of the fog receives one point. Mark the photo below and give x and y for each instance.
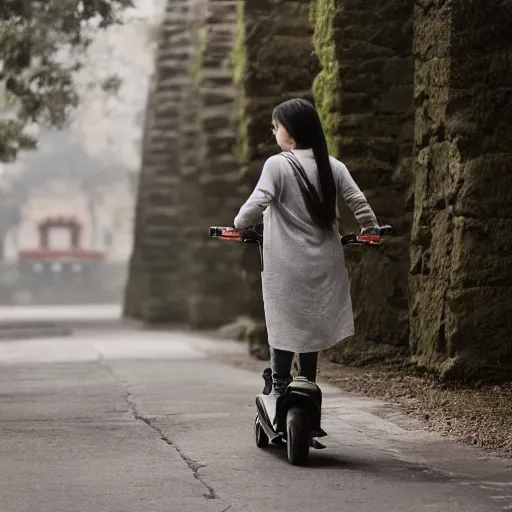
(67, 208)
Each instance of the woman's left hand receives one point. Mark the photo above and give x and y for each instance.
(370, 231)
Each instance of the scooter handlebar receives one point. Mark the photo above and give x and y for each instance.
(250, 235)
(374, 239)
(236, 235)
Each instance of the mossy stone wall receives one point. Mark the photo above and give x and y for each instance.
(461, 247)
(217, 296)
(273, 61)
(364, 94)
(155, 291)
(422, 123)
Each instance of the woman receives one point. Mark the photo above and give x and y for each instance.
(306, 290)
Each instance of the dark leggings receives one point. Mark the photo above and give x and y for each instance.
(281, 362)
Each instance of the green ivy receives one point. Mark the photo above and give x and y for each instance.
(327, 84)
(238, 64)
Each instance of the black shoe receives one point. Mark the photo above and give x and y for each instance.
(279, 386)
(267, 377)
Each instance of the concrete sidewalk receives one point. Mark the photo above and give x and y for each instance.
(45, 321)
(134, 421)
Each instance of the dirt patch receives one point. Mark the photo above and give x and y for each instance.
(480, 416)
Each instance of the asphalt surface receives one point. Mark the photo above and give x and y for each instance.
(47, 321)
(134, 421)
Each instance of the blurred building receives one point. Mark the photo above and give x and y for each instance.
(103, 219)
(71, 244)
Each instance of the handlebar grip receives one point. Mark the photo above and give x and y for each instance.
(375, 239)
(225, 233)
(385, 230)
(215, 231)
(348, 239)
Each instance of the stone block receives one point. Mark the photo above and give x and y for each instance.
(432, 243)
(219, 97)
(380, 295)
(259, 116)
(386, 203)
(369, 172)
(157, 310)
(369, 125)
(432, 25)
(220, 164)
(379, 148)
(220, 144)
(217, 120)
(396, 35)
(275, 67)
(345, 14)
(257, 7)
(500, 67)
(398, 71)
(437, 176)
(205, 312)
(485, 190)
(356, 102)
(434, 72)
(471, 70)
(427, 338)
(211, 80)
(221, 13)
(291, 18)
(373, 67)
(397, 99)
(365, 83)
(482, 253)
(363, 49)
(478, 324)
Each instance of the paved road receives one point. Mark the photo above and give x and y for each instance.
(62, 314)
(130, 421)
(46, 321)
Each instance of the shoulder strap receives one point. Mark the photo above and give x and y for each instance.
(302, 178)
(309, 193)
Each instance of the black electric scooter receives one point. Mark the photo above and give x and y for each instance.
(294, 417)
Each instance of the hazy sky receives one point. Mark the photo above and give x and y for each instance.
(110, 127)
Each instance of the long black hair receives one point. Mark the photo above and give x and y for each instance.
(301, 120)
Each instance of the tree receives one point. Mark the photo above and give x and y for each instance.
(41, 45)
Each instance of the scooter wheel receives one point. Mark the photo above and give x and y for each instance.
(297, 436)
(259, 434)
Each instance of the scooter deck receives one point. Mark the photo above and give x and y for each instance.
(266, 422)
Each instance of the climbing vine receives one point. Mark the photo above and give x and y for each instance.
(327, 85)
